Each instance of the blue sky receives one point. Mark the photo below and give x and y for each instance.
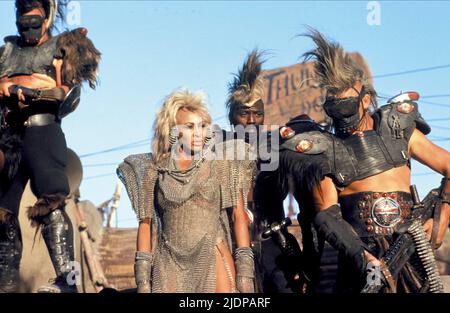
(152, 47)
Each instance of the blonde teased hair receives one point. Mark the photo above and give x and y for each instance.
(180, 99)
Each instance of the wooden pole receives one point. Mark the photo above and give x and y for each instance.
(95, 268)
(114, 205)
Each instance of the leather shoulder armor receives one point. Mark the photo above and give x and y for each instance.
(401, 119)
(306, 137)
(312, 142)
(306, 153)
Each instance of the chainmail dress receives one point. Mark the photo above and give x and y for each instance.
(188, 211)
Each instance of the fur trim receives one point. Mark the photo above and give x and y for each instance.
(10, 145)
(44, 206)
(6, 216)
(306, 172)
(248, 84)
(80, 58)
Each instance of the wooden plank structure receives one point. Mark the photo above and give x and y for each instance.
(117, 252)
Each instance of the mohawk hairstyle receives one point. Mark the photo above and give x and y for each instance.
(247, 84)
(335, 68)
(54, 9)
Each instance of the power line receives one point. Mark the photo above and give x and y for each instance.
(424, 69)
(99, 164)
(435, 96)
(122, 147)
(386, 96)
(442, 139)
(99, 176)
(440, 127)
(438, 119)
(436, 104)
(424, 174)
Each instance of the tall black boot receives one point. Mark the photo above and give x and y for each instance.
(10, 255)
(58, 236)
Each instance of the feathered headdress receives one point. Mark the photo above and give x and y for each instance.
(335, 68)
(247, 85)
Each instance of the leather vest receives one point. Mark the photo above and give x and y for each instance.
(27, 60)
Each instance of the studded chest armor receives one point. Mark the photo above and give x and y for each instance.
(362, 155)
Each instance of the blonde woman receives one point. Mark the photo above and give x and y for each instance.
(183, 194)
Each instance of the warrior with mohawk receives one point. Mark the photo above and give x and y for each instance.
(40, 83)
(274, 267)
(245, 105)
(353, 184)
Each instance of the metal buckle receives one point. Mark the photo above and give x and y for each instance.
(386, 212)
(39, 120)
(38, 95)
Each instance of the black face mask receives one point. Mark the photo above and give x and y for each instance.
(30, 29)
(344, 113)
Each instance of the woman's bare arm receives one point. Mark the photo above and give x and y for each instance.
(241, 223)
(144, 236)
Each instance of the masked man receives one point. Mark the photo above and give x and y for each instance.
(355, 182)
(40, 83)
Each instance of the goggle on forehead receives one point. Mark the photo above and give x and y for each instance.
(30, 22)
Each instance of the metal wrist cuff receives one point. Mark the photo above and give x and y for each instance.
(244, 262)
(142, 267)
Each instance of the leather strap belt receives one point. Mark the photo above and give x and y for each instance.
(375, 213)
(33, 95)
(40, 120)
